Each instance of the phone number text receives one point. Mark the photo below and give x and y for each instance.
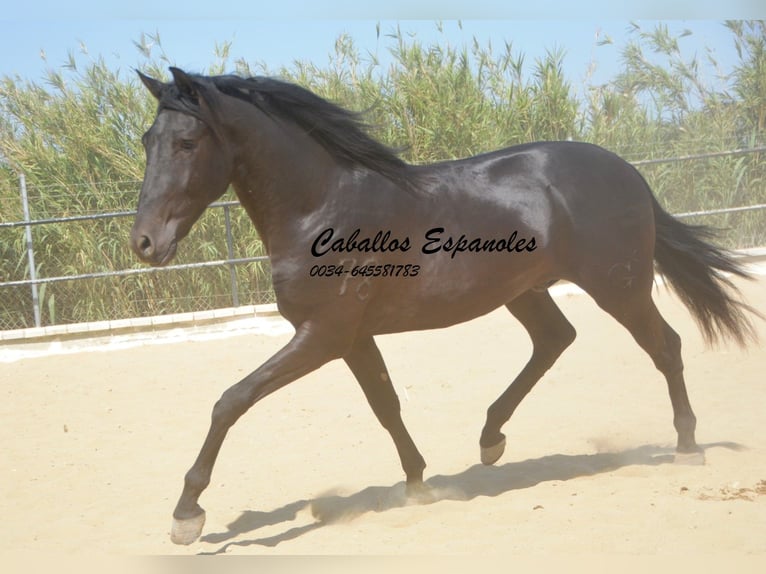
(389, 270)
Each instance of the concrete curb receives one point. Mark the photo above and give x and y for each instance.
(136, 325)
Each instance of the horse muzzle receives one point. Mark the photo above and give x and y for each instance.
(156, 249)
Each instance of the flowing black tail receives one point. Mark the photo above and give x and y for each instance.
(695, 269)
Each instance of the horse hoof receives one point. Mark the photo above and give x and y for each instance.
(188, 530)
(492, 454)
(690, 458)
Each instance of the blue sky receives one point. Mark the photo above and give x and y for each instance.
(278, 33)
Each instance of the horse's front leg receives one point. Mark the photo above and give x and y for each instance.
(310, 348)
(365, 361)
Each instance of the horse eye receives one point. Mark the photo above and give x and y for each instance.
(188, 145)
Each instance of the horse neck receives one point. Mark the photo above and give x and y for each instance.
(280, 173)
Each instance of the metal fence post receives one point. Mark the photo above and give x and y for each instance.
(230, 253)
(30, 249)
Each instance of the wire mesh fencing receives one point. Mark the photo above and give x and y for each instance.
(61, 266)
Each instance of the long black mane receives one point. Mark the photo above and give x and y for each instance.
(343, 133)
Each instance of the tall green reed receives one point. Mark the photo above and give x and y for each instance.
(76, 137)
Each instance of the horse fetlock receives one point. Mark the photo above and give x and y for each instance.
(686, 423)
(195, 482)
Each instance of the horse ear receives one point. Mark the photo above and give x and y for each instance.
(184, 83)
(155, 87)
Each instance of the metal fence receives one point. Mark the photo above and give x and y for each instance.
(30, 299)
(34, 298)
(34, 282)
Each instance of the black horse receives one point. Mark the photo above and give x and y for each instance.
(362, 243)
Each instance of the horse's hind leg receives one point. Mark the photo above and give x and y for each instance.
(366, 362)
(637, 312)
(551, 333)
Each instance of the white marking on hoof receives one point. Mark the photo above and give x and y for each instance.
(187, 531)
(492, 454)
(690, 458)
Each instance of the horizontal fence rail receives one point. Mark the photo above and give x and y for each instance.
(699, 156)
(93, 217)
(37, 283)
(128, 272)
(723, 210)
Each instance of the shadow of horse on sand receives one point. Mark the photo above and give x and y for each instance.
(478, 480)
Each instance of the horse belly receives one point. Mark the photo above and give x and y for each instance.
(440, 302)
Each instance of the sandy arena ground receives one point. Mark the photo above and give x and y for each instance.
(95, 445)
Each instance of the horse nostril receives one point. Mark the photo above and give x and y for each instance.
(145, 246)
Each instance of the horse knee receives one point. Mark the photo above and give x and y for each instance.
(232, 405)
